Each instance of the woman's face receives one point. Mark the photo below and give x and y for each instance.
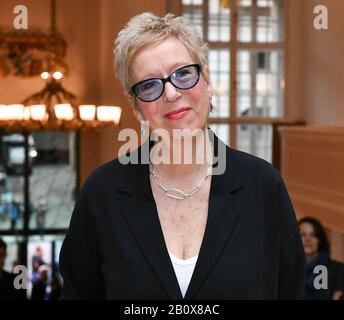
(310, 241)
(159, 61)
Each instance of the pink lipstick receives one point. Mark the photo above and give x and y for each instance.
(177, 114)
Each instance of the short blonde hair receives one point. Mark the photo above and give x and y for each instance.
(147, 28)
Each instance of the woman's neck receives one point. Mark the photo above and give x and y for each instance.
(311, 256)
(183, 159)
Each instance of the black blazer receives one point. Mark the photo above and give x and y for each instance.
(251, 248)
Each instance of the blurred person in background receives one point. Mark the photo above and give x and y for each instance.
(7, 289)
(56, 288)
(39, 288)
(37, 262)
(317, 253)
(14, 211)
(41, 212)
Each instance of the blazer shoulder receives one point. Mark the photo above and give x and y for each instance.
(100, 175)
(254, 166)
(110, 174)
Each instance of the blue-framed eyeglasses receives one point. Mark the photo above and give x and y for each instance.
(152, 89)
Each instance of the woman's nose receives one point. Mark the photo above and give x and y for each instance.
(171, 93)
(306, 239)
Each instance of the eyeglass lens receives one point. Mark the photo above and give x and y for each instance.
(152, 89)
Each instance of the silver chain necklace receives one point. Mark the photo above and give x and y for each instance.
(176, 193)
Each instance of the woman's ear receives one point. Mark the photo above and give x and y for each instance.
(137, 113)
(130, 98)
(210, 89)
(208, 80)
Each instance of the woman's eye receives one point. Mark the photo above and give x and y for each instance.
(182, 73)
(149, 85)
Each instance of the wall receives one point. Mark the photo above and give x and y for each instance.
(323, 69)
(312, 167)
(13, 89)
(315, 77)
(294, 97)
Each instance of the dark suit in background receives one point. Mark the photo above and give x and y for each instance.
(7, 289)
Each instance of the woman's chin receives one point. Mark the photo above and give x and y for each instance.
(187, 126)
(310, 253)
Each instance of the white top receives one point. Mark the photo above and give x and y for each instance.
(183, 270)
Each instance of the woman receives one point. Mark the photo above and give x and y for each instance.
(317, 253)
(176, 230)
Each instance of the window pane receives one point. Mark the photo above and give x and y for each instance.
(12, 158)
(219, 72)
(53, 182)
(260, 83)
(260, 20)
(269, 20)
(193, 12)
(221, 130)
(219, 20)
(244, 20)
(255, 139)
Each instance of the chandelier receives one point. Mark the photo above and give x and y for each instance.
(55, 108)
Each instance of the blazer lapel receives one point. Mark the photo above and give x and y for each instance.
(223, 213)
(224, 210)
(141, 215)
